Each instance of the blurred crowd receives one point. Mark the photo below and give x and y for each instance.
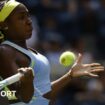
(78, 26)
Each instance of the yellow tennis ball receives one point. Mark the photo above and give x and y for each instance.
(67, 58)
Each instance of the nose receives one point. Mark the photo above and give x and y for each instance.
(29, 21)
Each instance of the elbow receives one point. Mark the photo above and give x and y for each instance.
(26, 101)
(28, 97)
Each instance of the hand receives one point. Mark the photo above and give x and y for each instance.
(79, 69)
(26, 88)
(27, 74)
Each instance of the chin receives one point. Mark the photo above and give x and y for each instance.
(29, 35)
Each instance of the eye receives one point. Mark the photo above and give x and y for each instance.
(25, 16)
(28, 15)
(21, 17)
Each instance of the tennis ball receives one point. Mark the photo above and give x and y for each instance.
(67, 58)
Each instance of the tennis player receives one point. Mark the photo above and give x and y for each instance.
(15, 29)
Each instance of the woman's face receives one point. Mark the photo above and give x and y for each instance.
(19, 24)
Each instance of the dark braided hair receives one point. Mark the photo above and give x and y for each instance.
(2, 2)
(6, 7)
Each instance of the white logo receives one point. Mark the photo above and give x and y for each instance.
(8, 93)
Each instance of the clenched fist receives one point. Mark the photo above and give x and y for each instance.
(26, 86)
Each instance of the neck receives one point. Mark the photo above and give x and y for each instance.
(21, 43)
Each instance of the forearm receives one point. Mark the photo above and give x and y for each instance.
(25, 92)
(58, 85)
(26, 86)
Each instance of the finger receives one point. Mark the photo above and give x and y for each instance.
(22, 78)
(98, 67)
(97, 70)
(93, 75)
(79, 58)
(24, 71)
(95, 64)
(31, 71)
(92, 64)
(28, 68)
(21, 70)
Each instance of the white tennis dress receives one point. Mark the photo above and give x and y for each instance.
(41, 68)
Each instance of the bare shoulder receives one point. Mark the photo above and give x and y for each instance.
(6, 51)
(7, 56)
(6, 60)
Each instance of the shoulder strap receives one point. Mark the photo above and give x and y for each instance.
(24, 51)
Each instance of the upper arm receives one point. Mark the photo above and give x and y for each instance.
(8, 66)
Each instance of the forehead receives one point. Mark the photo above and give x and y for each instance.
(20, 9)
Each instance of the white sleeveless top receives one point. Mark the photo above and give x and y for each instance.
(41, 68)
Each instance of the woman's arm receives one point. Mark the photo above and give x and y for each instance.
(25, 86)
(77, 70)
(8, 67)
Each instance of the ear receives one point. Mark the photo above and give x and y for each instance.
(0, 25)
(3, 26)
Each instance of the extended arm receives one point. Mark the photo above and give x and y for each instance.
(77, 70)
